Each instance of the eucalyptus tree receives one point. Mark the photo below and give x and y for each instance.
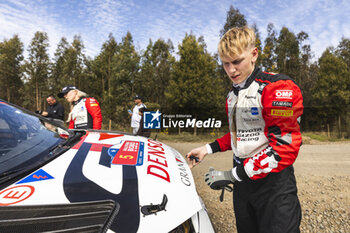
(37, 71)
(11, 57)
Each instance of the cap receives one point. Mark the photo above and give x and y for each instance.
(65, 90)
(137, 97)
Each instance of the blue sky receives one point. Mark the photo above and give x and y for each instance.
(325, 21)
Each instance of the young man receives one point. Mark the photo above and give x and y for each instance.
(263, 111)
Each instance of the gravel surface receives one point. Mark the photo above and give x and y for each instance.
(323, 180)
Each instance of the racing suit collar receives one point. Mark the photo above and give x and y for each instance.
(251, 78)
(76, 102)
(240, 85)
(247, 82)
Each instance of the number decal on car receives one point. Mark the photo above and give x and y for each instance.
(127, 153)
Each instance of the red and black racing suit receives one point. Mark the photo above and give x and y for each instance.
(265, 138)
(86, 114)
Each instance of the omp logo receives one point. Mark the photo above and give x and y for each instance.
(151, 120)
(284, 94)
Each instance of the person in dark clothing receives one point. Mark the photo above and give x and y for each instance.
(142, 131)
(54, 109)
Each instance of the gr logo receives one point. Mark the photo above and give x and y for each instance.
(151, 120)
(284, 94)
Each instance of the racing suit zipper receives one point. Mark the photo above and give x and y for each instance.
(234, 121)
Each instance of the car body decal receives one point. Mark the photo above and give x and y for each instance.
(127, 153)
(15, 194)
(36, 176)
(78, 188)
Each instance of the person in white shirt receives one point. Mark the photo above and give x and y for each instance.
(135, 117)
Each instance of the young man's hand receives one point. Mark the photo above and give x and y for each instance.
(218, 179)
(196, 155)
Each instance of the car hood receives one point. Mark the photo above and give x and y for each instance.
(136, 172)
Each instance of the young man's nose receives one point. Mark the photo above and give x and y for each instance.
(232, 69)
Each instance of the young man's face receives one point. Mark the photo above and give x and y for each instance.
(238, 68)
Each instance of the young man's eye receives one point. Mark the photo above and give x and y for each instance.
(236, 62)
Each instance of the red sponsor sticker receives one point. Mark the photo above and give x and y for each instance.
(15, 194)
(127, 154)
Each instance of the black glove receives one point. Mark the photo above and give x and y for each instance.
(219, 179)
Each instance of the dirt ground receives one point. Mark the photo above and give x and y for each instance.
(323, 179)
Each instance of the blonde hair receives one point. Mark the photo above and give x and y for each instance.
(79, 94)
(235, 41)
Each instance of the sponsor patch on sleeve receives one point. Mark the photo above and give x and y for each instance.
(93, 105)
(284, 94)
(281, 112)
(282, 104)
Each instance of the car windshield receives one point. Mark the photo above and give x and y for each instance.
(25, 140)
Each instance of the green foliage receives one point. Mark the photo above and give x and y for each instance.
(152, 106)
(58, 78)
(343, 51)
(234, 18)
(10, 69)
(257, 43)
(153, 79)
(287, 53)
(332, 87)
(125, 68)
(104, 74)
(74, 65)
(37, 71)
(192, 88)
(268, 56)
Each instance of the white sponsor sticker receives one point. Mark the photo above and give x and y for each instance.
(284, 94)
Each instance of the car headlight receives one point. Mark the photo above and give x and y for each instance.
(185, 227)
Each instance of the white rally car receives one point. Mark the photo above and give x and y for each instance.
(55, 180)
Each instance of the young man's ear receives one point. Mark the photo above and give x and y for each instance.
(255, 54)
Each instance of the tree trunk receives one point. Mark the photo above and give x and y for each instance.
(37, 95)
(328, 133)
(109, 76)
(8, 94)
(195, 130)
(339, 127)
(347, 124)
(40, 100)
(110, 125)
